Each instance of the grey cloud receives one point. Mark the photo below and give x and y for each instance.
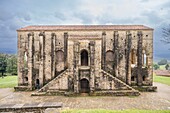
(152, 17)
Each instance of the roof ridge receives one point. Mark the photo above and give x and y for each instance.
(90, 27)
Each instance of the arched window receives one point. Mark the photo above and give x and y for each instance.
(25, 60)
(109, 56)
(109, 60)
(84, 58)
(145, 58)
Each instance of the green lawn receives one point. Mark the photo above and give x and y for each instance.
(115, 111)
(8, 81)
(161, 79)
(162, 67)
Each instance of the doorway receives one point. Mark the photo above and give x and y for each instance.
(84, 85)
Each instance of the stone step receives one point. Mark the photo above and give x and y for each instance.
(84, 94)
(116, 93)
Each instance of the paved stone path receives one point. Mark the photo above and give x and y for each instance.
(148, 100)
(38, 107)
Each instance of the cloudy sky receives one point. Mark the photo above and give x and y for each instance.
(15, 14)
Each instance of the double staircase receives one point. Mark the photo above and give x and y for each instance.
(59, 86)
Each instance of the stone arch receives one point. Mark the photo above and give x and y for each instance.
(109, 59)
(84, 57)
(84, 86)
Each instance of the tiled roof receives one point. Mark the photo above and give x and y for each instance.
(84, 27)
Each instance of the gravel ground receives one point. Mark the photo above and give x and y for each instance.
(149, 100)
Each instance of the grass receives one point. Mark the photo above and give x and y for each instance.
(8, 81)
(115, 111)
(162, 67)
(161, 79)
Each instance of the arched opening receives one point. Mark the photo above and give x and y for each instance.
(25, 60)
(84, 58)
(60, 56)
(37, 84)
(59, 61)
(84, 85)
(109, 59)
(144, 59)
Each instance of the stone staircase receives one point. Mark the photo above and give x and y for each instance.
(52, 88)
(122, 90)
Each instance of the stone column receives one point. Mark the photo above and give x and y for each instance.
(20, 59)
(128, 57)
(92, 65)
(139, 58)
(53, 56)
(103, 51)
(76, 52)
(116, 52)
(30, 60)
(42, 58)
(65, 49)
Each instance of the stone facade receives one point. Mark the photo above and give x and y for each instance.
(85, 59)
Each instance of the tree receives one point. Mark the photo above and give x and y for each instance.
(3, 64)
(166, 35)
(162, 62)
(167, 67)
(12, 64)
(155, 66)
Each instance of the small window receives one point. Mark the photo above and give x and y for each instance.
(132, 78)
(143, 78)
(26, 79)
(146, 35)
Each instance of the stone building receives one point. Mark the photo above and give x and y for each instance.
(94, 59)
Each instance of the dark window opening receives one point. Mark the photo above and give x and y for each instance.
(37, 84)
(26, 79)
(143, 78)
(84, 58)
(132, 78)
